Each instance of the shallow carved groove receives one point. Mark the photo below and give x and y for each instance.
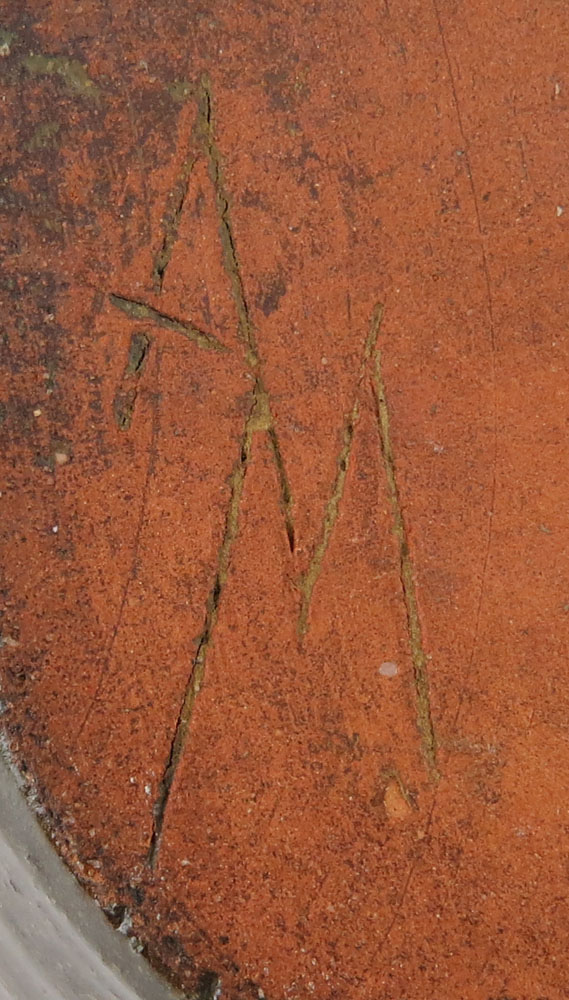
(407, 575)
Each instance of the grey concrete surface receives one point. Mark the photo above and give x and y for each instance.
(55, 943)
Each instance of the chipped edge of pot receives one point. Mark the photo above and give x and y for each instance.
(55, 942)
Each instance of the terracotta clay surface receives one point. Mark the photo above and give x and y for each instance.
(285, 416)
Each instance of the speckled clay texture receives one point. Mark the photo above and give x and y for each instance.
(284, 411)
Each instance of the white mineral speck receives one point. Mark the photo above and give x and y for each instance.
(388, 669)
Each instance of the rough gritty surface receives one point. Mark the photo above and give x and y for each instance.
(284, 313)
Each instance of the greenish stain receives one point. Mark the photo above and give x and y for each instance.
(180, 91)
(53, 225)
(6, 39)
(43, 136)
(71, 71)
(138, 353)
(51, 372)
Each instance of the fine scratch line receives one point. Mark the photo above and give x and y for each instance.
(142, 168)
(150, 469)
(140, 311)
(410, 872)
(257, 420)
(333, 507)
(490, 301)
(419, 660)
